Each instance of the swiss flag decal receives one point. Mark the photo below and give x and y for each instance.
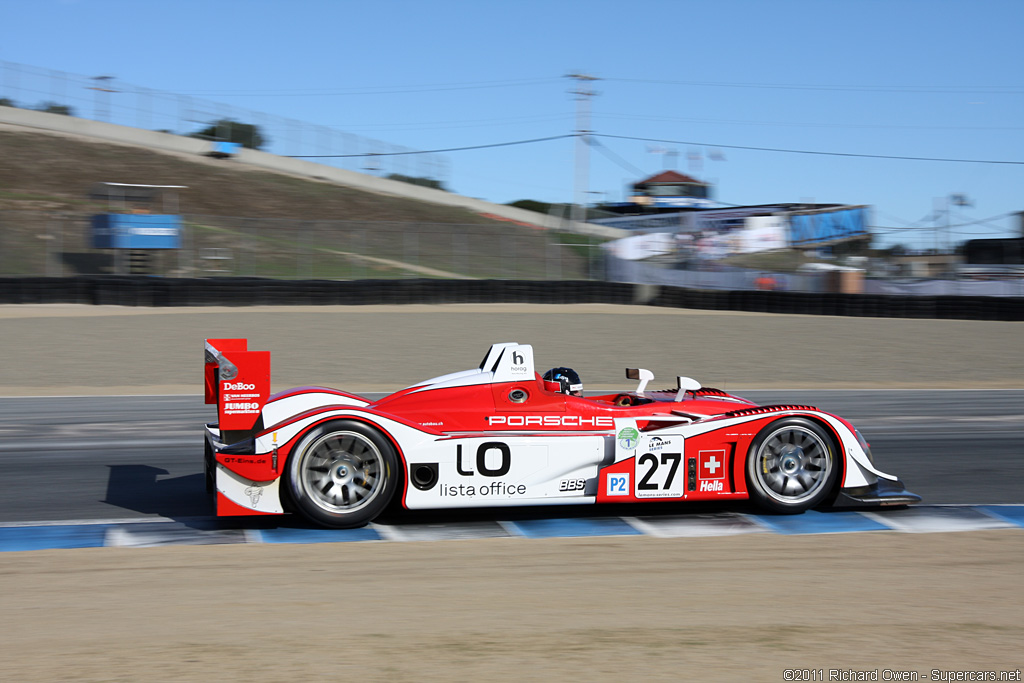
(711, 464)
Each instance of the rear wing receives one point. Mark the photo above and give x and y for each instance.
(237, 380)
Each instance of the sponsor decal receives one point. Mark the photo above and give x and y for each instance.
(713, 485)
(712, 464)
(498, 488)
(517, 364)
(238, 386)
(243, 407)
(628, 437)
(572, 484)
(549, 421)
(655, 444)
(254, 492)
(656, 476)
(504, 462)
(244, 460)
(617, 484)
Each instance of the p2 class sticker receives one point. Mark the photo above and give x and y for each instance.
(617, 484)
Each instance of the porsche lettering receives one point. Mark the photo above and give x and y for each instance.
(549, 421)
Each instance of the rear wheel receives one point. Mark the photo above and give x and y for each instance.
(791, 466)
(209, 468)
(342, 474)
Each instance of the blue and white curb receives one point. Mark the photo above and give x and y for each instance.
(141, 533)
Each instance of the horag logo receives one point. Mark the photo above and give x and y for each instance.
(628, 438)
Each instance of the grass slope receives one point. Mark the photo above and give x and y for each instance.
(262, 222)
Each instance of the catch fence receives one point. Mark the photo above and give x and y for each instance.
(103, 98)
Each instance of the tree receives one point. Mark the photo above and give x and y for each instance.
(415, 180)
(228, 130)
(54, 108)
(7, 102)
(531, 205)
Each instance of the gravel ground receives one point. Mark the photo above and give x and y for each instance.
(70, 349)
(596, 609)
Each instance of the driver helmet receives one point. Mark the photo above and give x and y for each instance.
(563, 380)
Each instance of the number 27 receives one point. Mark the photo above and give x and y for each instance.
(645, 483)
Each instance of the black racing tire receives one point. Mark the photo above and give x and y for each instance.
(209, 468)
(792, 466)
(342, 474)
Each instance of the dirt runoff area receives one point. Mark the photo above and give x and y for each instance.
(70, 349)
(751, 607)
(596, 609)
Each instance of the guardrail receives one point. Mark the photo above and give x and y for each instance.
(165, 292)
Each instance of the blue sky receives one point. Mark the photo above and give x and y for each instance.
(895, 78)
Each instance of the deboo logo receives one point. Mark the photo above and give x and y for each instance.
(238, 386)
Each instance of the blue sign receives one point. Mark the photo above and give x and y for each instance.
(698, 202)
(136, 231)
(827, 226)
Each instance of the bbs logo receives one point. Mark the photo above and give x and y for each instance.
(572, 484)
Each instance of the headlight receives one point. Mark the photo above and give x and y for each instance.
(864, 444)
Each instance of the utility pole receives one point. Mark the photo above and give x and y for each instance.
(583, 94)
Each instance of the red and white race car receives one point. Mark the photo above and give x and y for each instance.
(500, 434)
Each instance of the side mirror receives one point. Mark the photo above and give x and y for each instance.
(644, 376)
(685, 384)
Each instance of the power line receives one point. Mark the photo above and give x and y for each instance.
(615, 158)
(806, 151)
(980, 221)
(778, 150)
(798, 124)
(975, 89)
(430, 151)
(380, 90)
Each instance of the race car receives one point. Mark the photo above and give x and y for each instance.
(501, 434)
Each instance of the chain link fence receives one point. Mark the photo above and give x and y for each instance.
(60, 245)
(105, 98)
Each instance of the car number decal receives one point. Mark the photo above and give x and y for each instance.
(657, 475)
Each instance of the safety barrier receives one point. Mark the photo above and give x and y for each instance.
(163, 292)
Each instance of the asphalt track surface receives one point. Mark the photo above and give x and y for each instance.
(93, 458)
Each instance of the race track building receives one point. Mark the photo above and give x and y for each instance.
(676, 204)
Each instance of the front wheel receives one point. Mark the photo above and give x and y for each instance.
(342, 474)
(791, 466)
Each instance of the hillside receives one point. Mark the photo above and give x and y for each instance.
(54, 172)
(265, 223)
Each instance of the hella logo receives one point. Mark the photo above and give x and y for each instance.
(238, 386)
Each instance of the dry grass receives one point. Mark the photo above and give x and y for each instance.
(275, 225)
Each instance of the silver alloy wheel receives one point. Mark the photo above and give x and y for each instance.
(341, 472)
(792, 464)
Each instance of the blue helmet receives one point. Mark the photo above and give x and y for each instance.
(563, 380)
